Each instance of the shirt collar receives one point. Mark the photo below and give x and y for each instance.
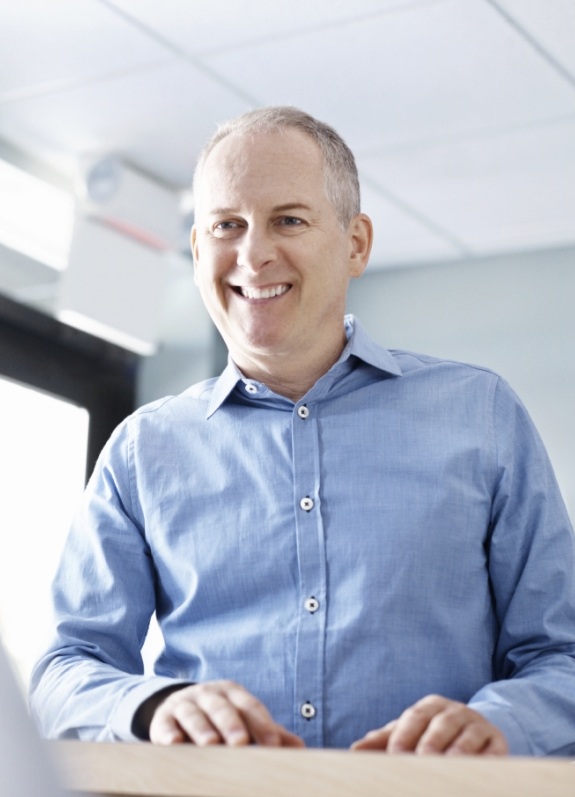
(359, 344)
(362, 346)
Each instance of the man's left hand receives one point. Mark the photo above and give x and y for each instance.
(436, 725)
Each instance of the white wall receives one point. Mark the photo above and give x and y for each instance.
(514, 314)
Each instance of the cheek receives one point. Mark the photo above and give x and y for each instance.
(213, 287)
(211, 265)
(330, 272)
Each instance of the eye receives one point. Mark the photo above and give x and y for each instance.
(290, 221)
(226, 227)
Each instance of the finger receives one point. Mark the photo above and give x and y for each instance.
(180, 721)
(479, 738)
(263, 730)
(200, 713)
(450, 728)
(218, 712)
(165, 730)
(254, 715)
(459, 730)
(413, 723)
(289, 739)
(220, 709)
(375, 740)
(454, 727)
(497, 745)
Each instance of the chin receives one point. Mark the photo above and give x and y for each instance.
(261, 336)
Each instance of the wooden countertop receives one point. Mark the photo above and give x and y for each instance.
(145, 770)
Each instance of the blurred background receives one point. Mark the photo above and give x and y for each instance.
(461, 114)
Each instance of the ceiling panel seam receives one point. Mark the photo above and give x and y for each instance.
(327, 25)
(415, 214)
(531, 40)
(64, 85)
(464, 136)
(199, 64)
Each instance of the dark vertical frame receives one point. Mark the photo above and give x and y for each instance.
(39, 351)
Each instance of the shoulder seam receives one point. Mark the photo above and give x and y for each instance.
(426, 359)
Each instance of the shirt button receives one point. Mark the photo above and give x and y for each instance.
(308, 711)
(303, 411)
(312, 605)
(250, 388)
(306, 504)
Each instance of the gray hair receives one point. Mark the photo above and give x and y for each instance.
(340, 171)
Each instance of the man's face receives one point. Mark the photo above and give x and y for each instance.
(272, 261)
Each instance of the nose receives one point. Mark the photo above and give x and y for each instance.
(256, 249)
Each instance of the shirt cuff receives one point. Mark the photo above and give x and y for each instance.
(500, 716)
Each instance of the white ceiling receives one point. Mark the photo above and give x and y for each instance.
(461, 112)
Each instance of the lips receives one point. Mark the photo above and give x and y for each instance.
(268, 292)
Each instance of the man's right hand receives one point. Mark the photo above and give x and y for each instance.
(217, 712)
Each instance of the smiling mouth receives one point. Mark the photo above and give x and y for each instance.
(262, 293)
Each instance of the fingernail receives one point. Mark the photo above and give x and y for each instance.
(238, 737)
(170, 738)
(207, 738)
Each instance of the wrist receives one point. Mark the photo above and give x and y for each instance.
(145, 712)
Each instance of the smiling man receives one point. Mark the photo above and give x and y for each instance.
(344, 546)
(273, 257)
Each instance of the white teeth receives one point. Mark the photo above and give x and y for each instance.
(264, 293)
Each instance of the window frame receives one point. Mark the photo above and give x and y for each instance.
(41, 352)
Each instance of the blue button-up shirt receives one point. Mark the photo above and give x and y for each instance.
(397, 532)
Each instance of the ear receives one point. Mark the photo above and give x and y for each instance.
(195, 253)
(360, 233)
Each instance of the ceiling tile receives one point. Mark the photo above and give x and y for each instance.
(497, 193)
(450, 67)
(156, 119)
(399, 238)
(41, 46)
(431, 95)
(200, 27)
(550, 23)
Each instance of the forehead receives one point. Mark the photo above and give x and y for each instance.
(241, 167)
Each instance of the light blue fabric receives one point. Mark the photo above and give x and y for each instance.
(434, 540)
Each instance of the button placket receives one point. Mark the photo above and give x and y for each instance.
(310, 644)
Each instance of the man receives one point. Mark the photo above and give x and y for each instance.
(344, 546)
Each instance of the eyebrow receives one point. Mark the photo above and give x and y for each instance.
(224, 211)
(291, 206)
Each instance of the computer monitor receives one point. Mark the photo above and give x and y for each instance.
(25, 768)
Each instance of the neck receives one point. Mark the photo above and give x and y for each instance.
(287, 376)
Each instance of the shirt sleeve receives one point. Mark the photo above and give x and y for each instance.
(91, 680)
(532, 572)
